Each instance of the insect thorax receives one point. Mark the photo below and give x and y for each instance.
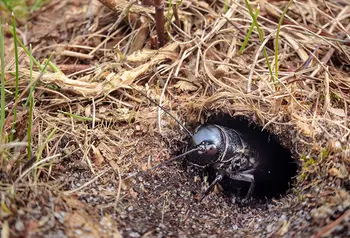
(237, 156)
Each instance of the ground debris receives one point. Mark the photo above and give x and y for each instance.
(106, 130)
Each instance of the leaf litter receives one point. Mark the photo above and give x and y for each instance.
(106, 130)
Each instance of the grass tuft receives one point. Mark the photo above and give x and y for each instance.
(2, 105)
(247, 37)
(31, 107)
(16, 75)
(26, 50)
(226, 6)
(261, 35)
(76, 116)
(40, 152)
(277, 37)
(43, 70)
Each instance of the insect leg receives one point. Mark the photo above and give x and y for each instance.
(242, 177)
(211, 186)
(246, 177)
(252, 183)
(251, 189)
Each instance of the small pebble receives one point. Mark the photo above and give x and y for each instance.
(19, 225)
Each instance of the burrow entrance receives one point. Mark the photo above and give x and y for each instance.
(278, 169)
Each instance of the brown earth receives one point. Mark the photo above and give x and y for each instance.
(77, 187)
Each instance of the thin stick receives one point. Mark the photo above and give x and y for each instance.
(176, 15)
(159, 6)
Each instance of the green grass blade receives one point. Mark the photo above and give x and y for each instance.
(53, 66)
(37, 5)
(226, 5)
(169, 13)
(26, 49)
(42, 71)
(16, 75)
(40, 152)
(261, 37)
(31, 107)
(277, 36)
(247, 37)
(76, 116)
(2, 56)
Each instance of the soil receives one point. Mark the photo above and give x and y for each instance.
(85, 185)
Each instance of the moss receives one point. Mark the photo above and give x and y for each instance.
(324, 153)
(307, 161)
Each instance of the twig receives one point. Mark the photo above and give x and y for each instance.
(76, 54)
(159, 6)
(176, 15)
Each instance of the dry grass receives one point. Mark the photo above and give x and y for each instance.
(105, 129)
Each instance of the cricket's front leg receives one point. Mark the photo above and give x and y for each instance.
(245, 176)
(217, 179)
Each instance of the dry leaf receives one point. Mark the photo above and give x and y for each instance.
(133, 193)
(109, 152)
(102, 109)
(97, 156)
(333, 146)
(341, 173)
(277, 104)
(337, 111)
(304, 128)
(88, 111)
(153, 55)
(185, 86)
(5, 231)
(121, 5)
(140, 37)
(5, 211)
(221, 71)
(72, 202)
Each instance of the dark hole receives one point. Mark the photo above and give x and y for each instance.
(277, 168)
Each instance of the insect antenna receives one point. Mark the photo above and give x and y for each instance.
(165, 162)
(166, 111)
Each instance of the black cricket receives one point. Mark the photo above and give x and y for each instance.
(248, 161)
(225, 152)
(242, 159)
